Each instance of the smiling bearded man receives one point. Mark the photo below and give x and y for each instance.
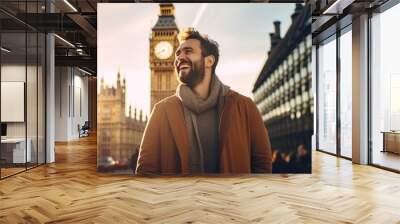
(205, 127)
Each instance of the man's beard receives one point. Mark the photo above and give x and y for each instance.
(195, 74)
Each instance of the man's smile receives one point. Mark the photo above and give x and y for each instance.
(183, 66)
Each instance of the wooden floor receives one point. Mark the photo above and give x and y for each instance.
(70, 191)
(10, 171)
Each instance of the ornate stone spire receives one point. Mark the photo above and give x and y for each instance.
(135, 114)
(119, 79)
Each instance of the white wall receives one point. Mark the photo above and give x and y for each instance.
(62, 81)
(71, 94)
(80, 110)
(33, 126)
(16, 73)
(12, 73)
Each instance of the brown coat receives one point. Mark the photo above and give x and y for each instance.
(243, 140)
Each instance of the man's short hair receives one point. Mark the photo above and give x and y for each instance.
(208, 46)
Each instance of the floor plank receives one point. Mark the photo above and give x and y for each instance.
(71, 191)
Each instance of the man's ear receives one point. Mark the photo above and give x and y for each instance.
(209, 61)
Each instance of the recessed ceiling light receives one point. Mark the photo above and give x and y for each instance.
(64, 40)
(70, 5)
(84, 71)
(5, 50)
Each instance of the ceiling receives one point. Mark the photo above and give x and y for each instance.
(74, 22)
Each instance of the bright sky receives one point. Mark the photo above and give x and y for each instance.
(241, 29)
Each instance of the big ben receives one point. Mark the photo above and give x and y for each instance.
(163, 43)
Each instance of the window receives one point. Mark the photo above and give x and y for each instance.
(327, 95)
(385, 89)
(22, 65)
(159, 81)
(168, 87)
(346, 93)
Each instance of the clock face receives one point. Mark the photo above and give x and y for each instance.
(163, 50)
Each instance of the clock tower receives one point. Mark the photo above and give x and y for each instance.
(163, 44)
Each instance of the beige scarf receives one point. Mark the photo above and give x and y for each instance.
(193, 106)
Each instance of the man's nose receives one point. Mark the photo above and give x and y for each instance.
(176, 61)
(181, 56)
(179, 59)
